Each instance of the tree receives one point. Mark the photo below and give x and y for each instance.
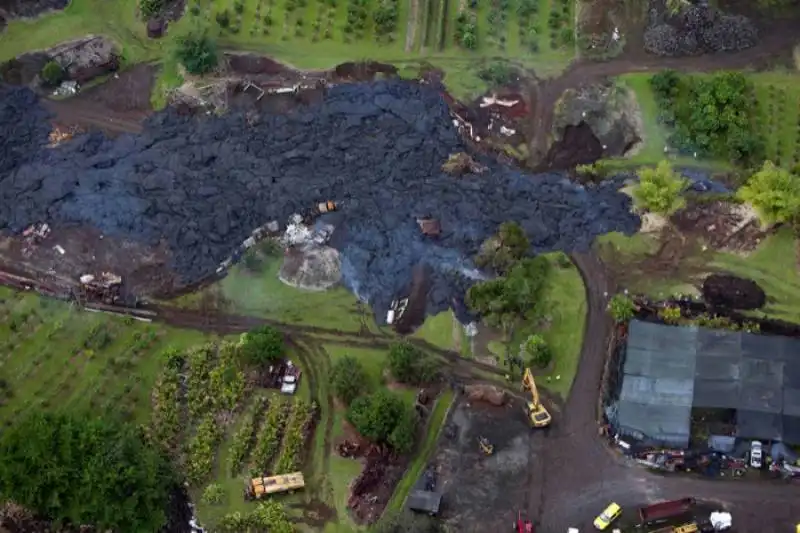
(774, 193)
(262, 346)
(375, 416)
(659, 189)
(349, 379)
(621, 308)
(519, 295)
(537, 350)
(52, 73)
(77, 470)
(504, 250)
(196, 50)
(403, 435)
(409, 364)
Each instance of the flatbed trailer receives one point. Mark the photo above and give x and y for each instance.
(661, 511)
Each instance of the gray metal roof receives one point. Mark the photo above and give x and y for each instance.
(670, 369)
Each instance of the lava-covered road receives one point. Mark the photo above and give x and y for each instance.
(580, 474)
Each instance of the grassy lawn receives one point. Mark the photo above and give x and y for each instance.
(773, 265)
(438, 330)
(263, 294)
(562, 328)
(425, 452)
(56, 356)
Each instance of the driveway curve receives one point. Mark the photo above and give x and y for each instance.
(581, 474)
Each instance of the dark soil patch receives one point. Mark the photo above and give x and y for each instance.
(125, 91)
(255, 64)
(725, 290)
(364, 71)
(371, 491)
(579, 146)
(721, 225)
(480, 492)
(144, 271)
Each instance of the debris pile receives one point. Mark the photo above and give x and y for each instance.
(698, 29)
(485, 393)
(200, 184)
(461, 163)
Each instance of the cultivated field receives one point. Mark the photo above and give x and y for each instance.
(54, 356)
(778, 117)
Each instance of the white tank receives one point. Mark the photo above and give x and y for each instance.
(390, 316)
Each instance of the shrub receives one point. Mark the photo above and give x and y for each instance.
(538, 352)
(150, 8)
(659, 189)
(408, 364)
(621, 308)
(223, 19)
(774, 193)
(213, 494)
(52, 73)
(670, 314)
(349, 379)
(196, 51)
(382, 417)
(262, 346)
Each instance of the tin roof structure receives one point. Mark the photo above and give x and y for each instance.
(668, 370)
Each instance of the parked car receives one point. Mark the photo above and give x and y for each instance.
(605, 518)
(756, 454)
(291, 379)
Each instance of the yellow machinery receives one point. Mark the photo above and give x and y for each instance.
(485, 446)
(263, 486)
(538, 415)
(686, 528)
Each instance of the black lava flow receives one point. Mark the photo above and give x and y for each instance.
(202, 184)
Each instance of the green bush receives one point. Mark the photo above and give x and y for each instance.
(150, 8)
(262, 346)
(349, 379)
(537, 350)
(384, 418)
(196, 51)
(409, 364)
(621, 308)
(52, 73)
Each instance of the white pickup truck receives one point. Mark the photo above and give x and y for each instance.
(291, 379)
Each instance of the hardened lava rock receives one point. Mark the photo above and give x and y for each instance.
(202, 184)
(700, 29)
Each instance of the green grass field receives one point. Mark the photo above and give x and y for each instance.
(263, 294)
(316, 34)
(773, 265)
(54, 356)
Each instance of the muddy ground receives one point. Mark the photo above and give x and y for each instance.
(483, 493)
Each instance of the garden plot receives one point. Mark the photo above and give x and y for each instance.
(376, 27)
(53, 355)
(515, 28)
(778, 117)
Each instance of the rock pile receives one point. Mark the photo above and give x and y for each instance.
(202, 184)
(698, 29)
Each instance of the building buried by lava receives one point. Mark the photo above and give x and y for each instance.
(672, 379)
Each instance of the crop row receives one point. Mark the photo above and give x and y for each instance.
(200, 363)
(296, 434)
(202, 449)
(269, 438)
(245, 437)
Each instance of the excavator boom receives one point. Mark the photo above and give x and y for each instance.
(539, 416)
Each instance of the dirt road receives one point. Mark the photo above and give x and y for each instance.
(581, 475)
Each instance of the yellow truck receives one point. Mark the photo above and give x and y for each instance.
(258, 487)
(538, 415)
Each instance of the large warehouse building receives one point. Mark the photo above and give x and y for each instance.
(670, 370)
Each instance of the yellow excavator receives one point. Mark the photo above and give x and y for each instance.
(536, 412)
